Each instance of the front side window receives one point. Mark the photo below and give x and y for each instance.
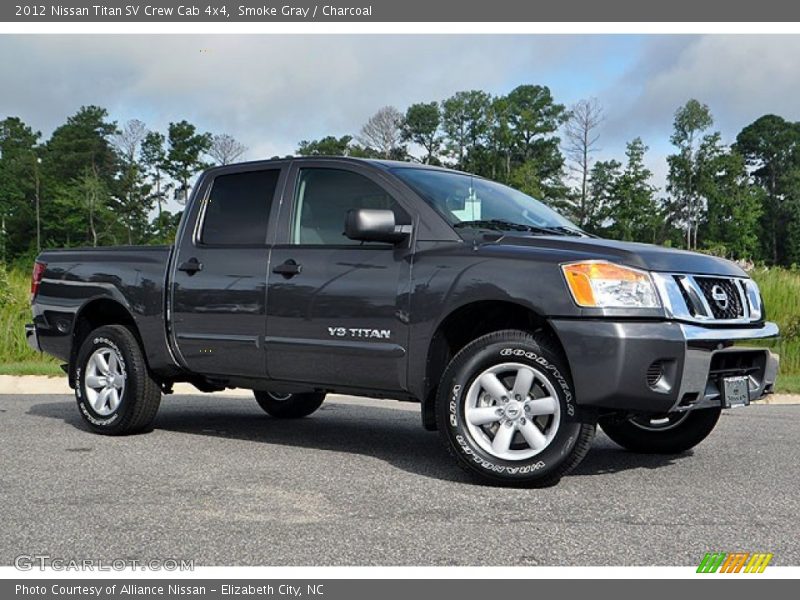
(237, 211)
(322, 200)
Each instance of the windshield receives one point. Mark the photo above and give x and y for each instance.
(469, 202)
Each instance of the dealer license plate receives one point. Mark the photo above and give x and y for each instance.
(735, 391)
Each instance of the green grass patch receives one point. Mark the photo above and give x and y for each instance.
(788, 384)
(32, 367)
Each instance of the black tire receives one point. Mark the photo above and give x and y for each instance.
(138, 398)
(289, 406)
(569, 431)
(679, 433)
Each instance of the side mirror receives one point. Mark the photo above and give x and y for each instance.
(373, 225)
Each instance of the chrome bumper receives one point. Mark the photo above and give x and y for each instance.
(32, 337)
(698, 382)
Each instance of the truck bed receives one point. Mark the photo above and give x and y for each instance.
(74, 278)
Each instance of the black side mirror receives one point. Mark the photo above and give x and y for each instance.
(373, 225)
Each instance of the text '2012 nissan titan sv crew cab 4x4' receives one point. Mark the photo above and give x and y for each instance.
(516, 331)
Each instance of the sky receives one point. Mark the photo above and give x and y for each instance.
(271, 91)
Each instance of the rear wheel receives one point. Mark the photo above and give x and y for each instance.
(116, 394)
(507, 413)
(671, 433)
(289, 406)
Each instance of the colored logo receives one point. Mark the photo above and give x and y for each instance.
(734, 562)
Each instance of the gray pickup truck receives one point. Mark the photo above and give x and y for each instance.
(516, 331)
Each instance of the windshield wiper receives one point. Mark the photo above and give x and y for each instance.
(572, 231)
(503, 225)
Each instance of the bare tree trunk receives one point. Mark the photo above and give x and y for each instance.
(585, 116)
(92, 227)
(158, 195)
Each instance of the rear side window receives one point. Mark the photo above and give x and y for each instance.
(238, 208)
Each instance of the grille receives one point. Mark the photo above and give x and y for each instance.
(711, 286)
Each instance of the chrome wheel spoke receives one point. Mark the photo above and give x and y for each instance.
(502, 439)
(483, 415)
(100, 363)
(113, 365)
(101, 400)
(535, 438)
(541, 406)
(113, 399)
(493, 386)
(95, 382)
(523, 383)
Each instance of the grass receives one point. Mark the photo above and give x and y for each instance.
(781, 291)
(15, 356)
(788, 384)
(779, 287)
(32, 367)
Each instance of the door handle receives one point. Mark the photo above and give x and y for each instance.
(288, 269)
(191, 266)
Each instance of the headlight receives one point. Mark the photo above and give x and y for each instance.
(753, 299)
(598, 284)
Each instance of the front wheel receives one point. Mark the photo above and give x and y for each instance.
(506, 411)
(289, 406)
(672, 433)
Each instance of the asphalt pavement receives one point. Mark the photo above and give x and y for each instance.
(361, 483)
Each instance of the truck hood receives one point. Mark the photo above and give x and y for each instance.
(642, 256)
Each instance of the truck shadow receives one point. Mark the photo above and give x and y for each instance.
(392, 435)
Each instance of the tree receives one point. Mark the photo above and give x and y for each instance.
(585, 116)
(633, 207)
(94, 194)
(534, 116)
(421, 127)
(733, 205)
(327, 146)
(534, 119)
(19, 178)
(133, 202)
(383, 133)
(770, 146)
(465, 122)
(603, 188)
(691, 120)
(501, 140)
(83, 142)
(185, 147)
(129, 139)
(225, 149)
(154, 160)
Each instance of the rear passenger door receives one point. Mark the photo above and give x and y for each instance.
(337, 308)
(219, 273)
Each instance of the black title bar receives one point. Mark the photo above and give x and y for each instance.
(400, 10)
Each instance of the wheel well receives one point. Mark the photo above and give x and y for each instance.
(96, 314)
(466, 324)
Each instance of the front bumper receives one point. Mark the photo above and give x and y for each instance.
(610, 362)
